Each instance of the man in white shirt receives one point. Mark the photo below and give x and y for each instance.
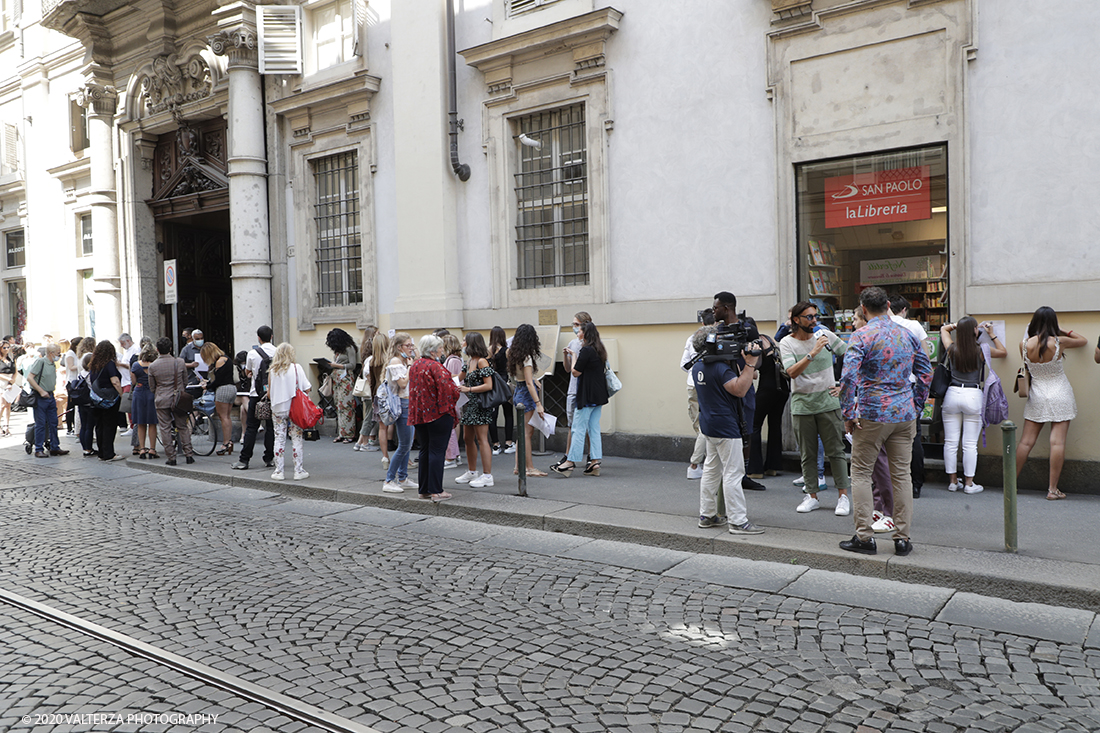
(128, 351)
(899, 310)
(252, 368)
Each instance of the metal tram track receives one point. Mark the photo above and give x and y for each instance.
(288, 706)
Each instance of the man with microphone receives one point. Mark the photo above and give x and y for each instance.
(807, 355)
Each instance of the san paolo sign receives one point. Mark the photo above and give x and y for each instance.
(901, 194)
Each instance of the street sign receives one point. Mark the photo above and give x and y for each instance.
(170, 282)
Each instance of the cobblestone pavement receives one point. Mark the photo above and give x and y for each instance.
(404, 630)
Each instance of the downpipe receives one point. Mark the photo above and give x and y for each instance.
(460, 169)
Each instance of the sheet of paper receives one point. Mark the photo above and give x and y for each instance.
(545, 424)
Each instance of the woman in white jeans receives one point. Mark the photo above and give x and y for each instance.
(962, 406)
(284, 378)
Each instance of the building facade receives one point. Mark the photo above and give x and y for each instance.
(626, 158)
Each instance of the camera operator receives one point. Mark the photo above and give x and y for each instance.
(721, 384)
(725, 313)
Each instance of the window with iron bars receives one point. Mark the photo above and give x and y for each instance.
(339, 253)
(552, 199)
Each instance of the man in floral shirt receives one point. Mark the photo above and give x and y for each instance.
(880, 407)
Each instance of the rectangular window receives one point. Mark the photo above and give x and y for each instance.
(552, 199)
(338, 254)
(516, 7)
(78, 127)
(9, 162)
(876, 219)
(333, 33)
(17, 307)
(86, 235)
(14, 245)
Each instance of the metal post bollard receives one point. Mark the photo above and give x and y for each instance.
(521, 451)
(1008, 433)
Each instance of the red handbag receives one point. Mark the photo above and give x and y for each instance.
(303, 412)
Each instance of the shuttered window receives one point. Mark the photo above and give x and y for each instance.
(516, 7)
(10, 161)
(280, 36)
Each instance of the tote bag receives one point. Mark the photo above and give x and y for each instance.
(613, 383)
(303, 412)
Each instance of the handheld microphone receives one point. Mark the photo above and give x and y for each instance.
(819, 327)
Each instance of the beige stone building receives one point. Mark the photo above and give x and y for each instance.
(626, 158)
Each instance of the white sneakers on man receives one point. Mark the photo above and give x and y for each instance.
(808, 505)
(882, 523)
(467, 477)
(450, 464)
(695, 473)
(843, 507)
(485, 479)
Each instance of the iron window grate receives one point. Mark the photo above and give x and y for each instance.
(552, 200)
(338, 252)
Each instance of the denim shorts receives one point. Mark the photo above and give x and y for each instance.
(522, 398)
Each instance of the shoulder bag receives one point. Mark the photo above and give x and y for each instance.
(941, 380)
(389, 406)
(303, 412)
(27, 397)
(500, 394)
(1023, 382)
(613, 383)
(185, 401)
(325, 390)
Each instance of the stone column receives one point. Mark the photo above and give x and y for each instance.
(100, 101)
(248, 208)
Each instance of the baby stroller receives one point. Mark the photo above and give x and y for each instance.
(328, 404)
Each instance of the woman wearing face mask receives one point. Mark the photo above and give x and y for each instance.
(402, 354)
(346, 360)
(452, 362)
(569, 356)
(591, 397)
(431, 408)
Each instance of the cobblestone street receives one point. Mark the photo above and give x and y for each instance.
(402, 623)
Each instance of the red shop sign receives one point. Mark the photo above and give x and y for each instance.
(902, 194)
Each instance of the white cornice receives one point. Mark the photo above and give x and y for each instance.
(570, 33)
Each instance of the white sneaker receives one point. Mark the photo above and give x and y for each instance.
(695, 473)
(876, 515)
(511, 448)
(126, 433)
(799, 481)
(358, 447)
(821, 485)
(955, 486)
(497, 451)
(385, 461)
(392, 487)
(485, 479)
(278, 476)
(467, 477)
(973, 489)
(298, 476)
(843, 506)
(450, 464)
(808, 505)
(409, 484)
(885, 524)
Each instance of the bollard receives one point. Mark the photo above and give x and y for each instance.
(521, 451)
(1008, 432)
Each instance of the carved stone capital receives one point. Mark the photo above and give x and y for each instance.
(238, 45)
(99, 99)
(173, 83)
(787, 9)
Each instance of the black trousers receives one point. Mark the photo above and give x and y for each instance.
(106, 426)
(251, 429)
(509, 423)
(769, 406)
(433, 438)
(916, 467)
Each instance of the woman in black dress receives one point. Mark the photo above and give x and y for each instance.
(498, 357)
(105, 381)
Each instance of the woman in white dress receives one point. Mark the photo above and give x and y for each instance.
(1050, 399)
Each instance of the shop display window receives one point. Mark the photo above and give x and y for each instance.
(878, 219)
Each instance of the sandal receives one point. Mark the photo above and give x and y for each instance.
(561, 470)
(90, 453)
(153, 455)
(592, 469)
(535, 472)
(442, 496)
(137, 451)
(226, 449)
(144, 455)
(1055, 495)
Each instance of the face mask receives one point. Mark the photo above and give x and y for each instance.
(199, 342)
(576, 329)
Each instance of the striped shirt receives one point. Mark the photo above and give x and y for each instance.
(810, 389)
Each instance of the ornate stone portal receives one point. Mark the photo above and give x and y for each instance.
(190, 169)
(173, 83)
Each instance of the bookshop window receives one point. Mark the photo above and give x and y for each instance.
(874, 220)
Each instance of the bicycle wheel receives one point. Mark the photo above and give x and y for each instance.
(204, 437)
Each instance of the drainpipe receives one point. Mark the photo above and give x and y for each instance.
(461, 169)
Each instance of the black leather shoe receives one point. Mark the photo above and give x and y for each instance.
(269, 464)
(863, 547)
(170, 462)
(916, 492)
(748, 484)
(189, 459)
(902, 547)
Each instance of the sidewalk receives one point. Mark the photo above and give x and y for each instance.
(958, 538)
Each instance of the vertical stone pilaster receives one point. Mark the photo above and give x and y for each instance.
(248, 205)
(100, 100)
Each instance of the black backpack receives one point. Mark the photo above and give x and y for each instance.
(261, 373)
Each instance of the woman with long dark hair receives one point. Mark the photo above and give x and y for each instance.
(964, 401)
(369, 428)
(522, 354)
(346, 359)
(1050, 399)
(498, 357)
(8, 392)
(220, 381)
(591, 397)
(104, 379)
(477, 378)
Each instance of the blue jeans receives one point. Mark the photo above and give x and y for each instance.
(399, 463)
(586, 419)
(45, 424)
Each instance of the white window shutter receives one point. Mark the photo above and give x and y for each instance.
(359, 11)
(515, 7)
(280, 36)
(11, 148)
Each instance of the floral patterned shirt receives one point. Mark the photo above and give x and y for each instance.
(875, 384)
(432, 392)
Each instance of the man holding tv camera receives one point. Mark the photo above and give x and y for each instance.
(728, 353)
